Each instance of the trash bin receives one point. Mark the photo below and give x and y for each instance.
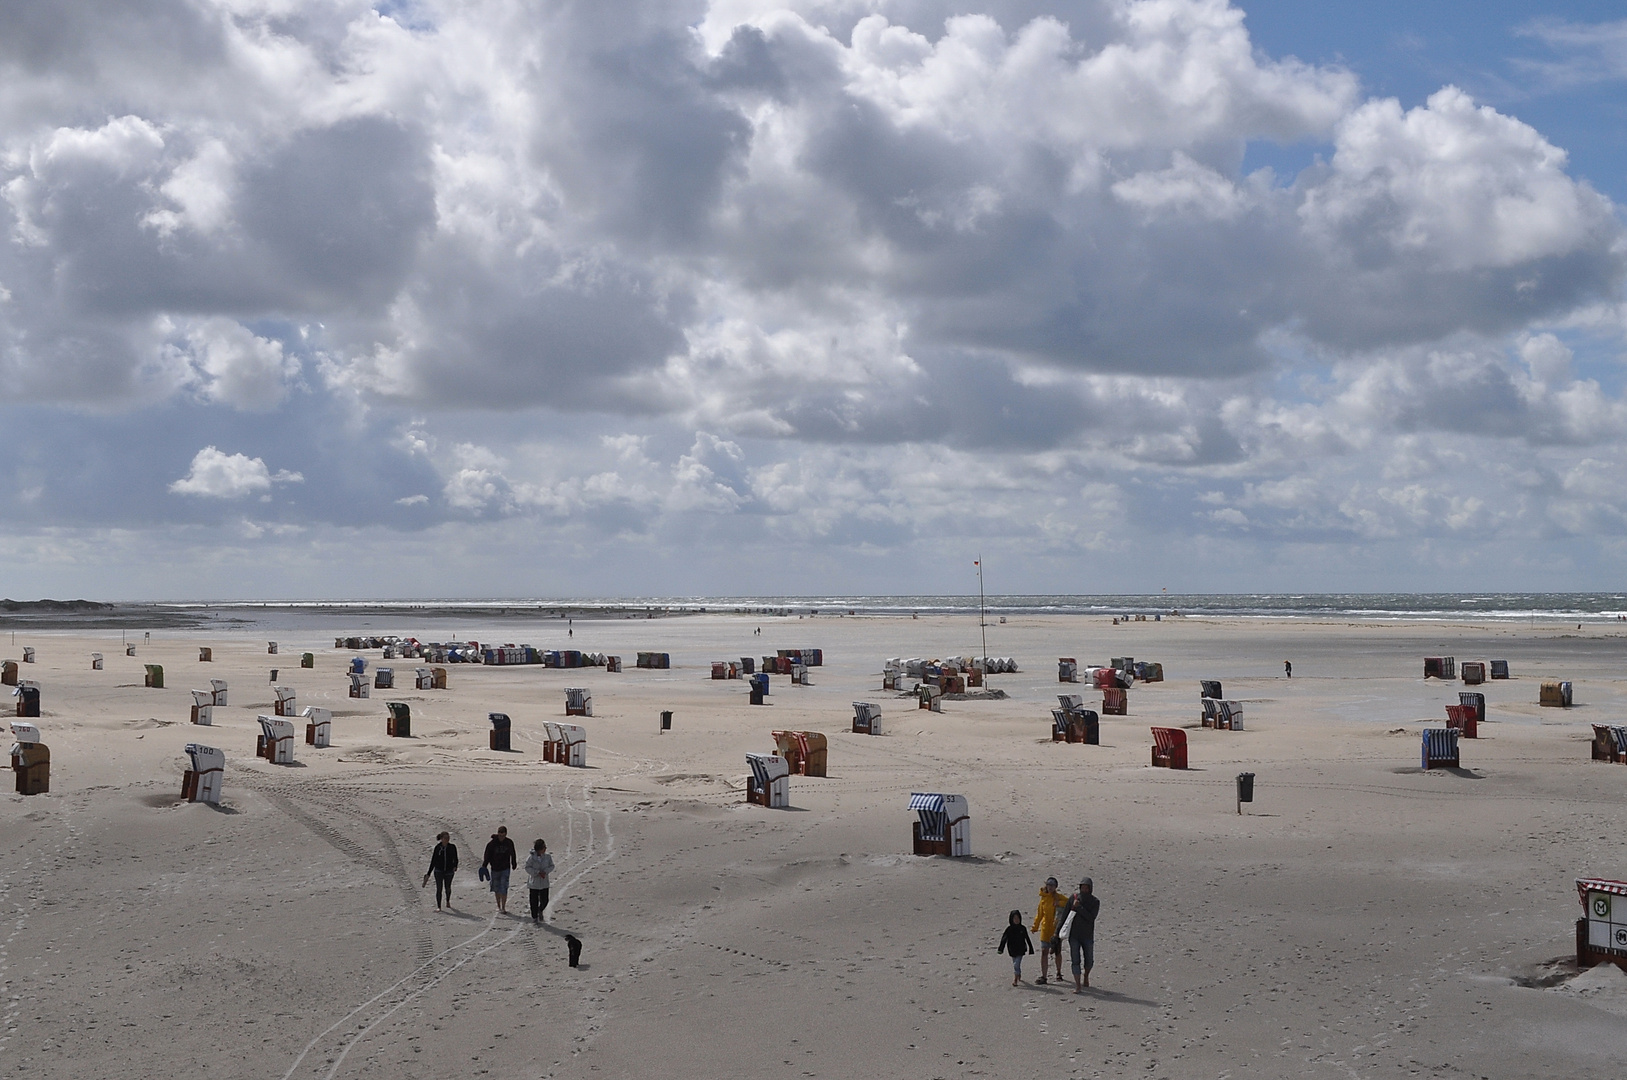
(273, 674)
(1245, 789)
(666, 720)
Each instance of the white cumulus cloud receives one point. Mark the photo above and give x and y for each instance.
(218, 475)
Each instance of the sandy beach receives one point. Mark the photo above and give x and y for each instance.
(1362, 918)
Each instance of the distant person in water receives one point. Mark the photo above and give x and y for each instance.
(1288, 668)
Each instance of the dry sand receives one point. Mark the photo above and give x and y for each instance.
(1362, 919)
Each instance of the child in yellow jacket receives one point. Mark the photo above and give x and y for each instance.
(1045, 924)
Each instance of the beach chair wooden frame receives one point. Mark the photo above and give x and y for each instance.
(929, 697)
(1168, 748)
(1440, 748)
(206, 655)
(8, 673)
(318, 727)
(384, 678)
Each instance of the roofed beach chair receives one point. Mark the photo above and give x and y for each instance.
(943, 824)
(1169, 748)
(769, 784)
(1440, 748)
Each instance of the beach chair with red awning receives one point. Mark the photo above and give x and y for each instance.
(1169, 748)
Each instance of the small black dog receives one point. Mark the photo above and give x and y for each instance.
(574, 943)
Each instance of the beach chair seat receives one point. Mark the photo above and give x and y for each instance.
(276, 741)
(1555, 694)
(1115, 701)
(1499, 669)
(1169, 748)
(943, 824)
(1440, 748)
(866, 718)
(1229, 715)
(203, 781)
(578, 701)
(768, 784)
(360, 685)
(398, 725)
(1463, 719)
(573, 745)
(1473, 672)
(384, 679)
(318, 727)
(498, 737)
(1475, 700)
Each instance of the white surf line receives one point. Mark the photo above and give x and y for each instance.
(490, 926)
(340, 1060)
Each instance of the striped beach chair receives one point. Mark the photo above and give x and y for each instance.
(866, 718)
(1115, 701)
(202, 782)
(1499, 669)
(578, 701)
(769, 784)
(1169, 748)
(1440, 748)
(1067, 669)
(1473, 699)
(1229, 715)
(805, 752)
(1211, 711)
(943, 824)
(1610, 743)
(1473, 672)
(1462, 718)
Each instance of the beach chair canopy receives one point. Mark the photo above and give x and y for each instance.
(767, 768)
(25, 734)
(205, 758)
(938, 813)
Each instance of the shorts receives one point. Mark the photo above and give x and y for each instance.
(499, 881)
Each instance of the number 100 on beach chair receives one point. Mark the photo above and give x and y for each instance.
(943, 824)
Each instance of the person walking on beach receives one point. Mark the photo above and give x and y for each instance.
(1082, 909)
(538, 865)
(443, 863)
(1016, 944)
(500, 859)
(1047, 919)
(1288, 668)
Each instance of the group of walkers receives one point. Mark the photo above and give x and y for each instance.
(1059, 918)
(495, 866)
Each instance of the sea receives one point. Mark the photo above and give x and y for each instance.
(1422, 607)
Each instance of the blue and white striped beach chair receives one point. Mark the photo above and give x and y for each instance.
(1440, 748)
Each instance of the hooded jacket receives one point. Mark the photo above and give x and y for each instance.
(1048, 916)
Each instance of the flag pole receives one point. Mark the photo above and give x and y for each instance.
(982, 620)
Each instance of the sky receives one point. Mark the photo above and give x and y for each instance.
(497, 298)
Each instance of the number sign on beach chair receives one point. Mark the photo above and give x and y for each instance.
(276, 741)
(804, 751)
(1473, 672)
(1440, 748)
(943, 824)
(203, 707)
(1609, 743)
(769, 784)
(1555, 694)
(573, 745)
(399, 724)
(202, 782)
(866, 718)
(1169, 748)
(318, 727)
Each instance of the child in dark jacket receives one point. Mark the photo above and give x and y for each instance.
(1016, 944)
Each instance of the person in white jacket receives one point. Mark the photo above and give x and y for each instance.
(538, 865)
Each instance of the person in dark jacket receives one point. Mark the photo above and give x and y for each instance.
(1083, 906)
(499, 860)
(443, 863)
(1016, 944)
